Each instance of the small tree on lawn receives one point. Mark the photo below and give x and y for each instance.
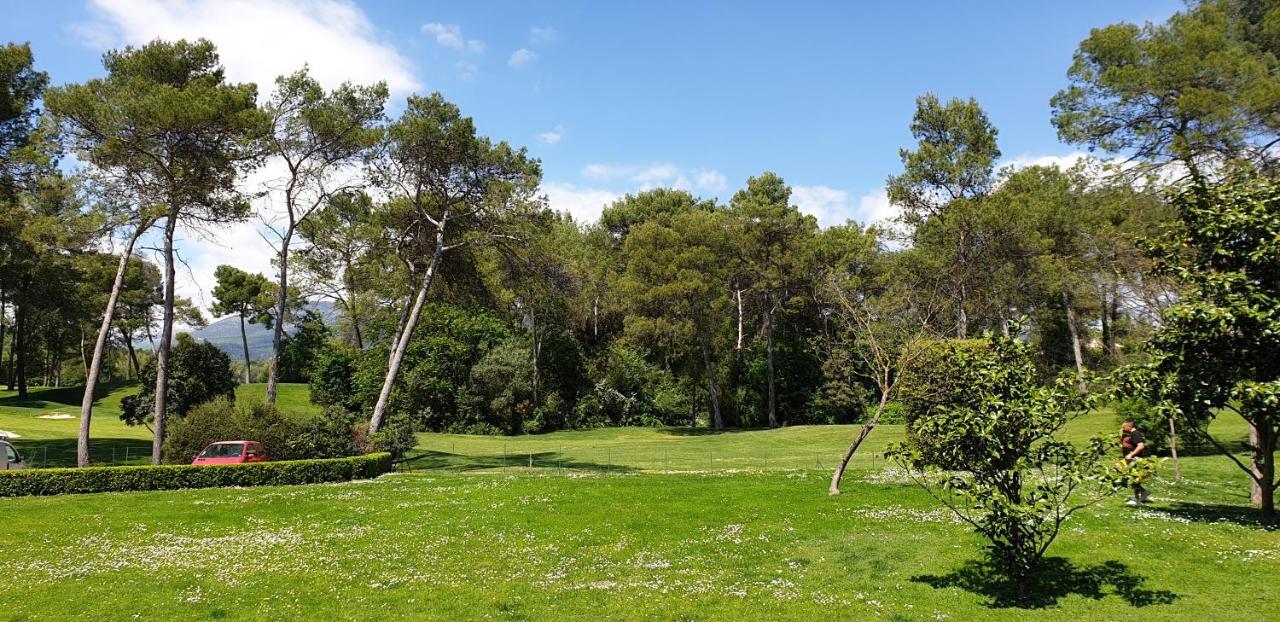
(993, 460)
(886, 334)
(1218, 349)
(240, 293)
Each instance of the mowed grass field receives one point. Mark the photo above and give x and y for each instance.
(630, 524)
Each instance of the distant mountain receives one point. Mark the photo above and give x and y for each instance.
(225, 333)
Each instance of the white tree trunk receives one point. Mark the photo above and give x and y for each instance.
(402, 344)
(857, 441)
(166, 341)
(95, 364)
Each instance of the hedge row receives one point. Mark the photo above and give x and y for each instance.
(172, 477)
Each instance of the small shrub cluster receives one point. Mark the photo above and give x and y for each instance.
(172, 477)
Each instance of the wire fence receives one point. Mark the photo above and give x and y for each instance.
(625, 459)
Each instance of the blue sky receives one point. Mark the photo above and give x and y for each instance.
(619, 96)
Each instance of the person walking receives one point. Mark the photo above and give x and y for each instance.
(1132, 444)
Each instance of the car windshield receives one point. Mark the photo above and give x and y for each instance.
(223, 450)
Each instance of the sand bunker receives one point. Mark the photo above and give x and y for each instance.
(8, 434)
(55, 416)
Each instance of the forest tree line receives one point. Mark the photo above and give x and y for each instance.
(468, 305)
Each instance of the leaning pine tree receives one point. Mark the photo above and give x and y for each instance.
(166, 125)
(448, 187)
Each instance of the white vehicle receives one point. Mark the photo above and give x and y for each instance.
(9, 456)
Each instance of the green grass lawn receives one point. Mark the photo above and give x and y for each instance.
(628, 524)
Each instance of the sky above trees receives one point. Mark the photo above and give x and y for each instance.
(616, 98)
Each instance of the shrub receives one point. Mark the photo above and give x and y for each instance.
(172, 477)
(221, 420)
(395, 437)
(331, 435)
(935, 380)
(199, 372)
(989, 454)
(894, 413)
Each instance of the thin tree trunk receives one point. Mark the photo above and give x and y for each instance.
(595, 317)
(857, 441)
(3, 326)
(737, 294)
(773, 399)
(84, 356)
(134, 366)
(962, 321)
(166, 341)
(244, 340)
(712, 393)
(1173, 449)
(20, 348)
(1076, 350)
(537, 350)
(282, 299)
(402, 344)
(99, 348)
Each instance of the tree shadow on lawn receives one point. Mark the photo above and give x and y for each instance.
(1246, 516)
(1057, 578)
(686, 431)
(52, 397)
(543, 460)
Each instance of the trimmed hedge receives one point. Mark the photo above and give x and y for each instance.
(173, 477)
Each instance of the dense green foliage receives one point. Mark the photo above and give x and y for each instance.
(200, 373)
(1219, 346)
(171, 477)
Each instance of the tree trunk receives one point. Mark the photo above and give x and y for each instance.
(166, 342)
(737, 294)
(1076, 350)
(244, 340)
(1262, 444)
(712, 393)
(595, 317)
(282, 299)
(402, 343)
(3, 326)
(962, 321)
(773, 399)
(20, 348)
(99, 348)
(537, 349)
(1173, 449)
(1106, 323)
(857, 441)
(134, 365)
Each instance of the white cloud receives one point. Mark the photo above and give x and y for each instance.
(828, 205)
(713, 181)
(522, 58)
(552, 137)
(542, 35)
(450, 36)
(259, 40)
(1063, 162)
(657, 174)
(584, 204)
(833, 207)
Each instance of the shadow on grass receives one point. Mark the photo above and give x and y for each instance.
(702, 431)
(61, 452)
(545, 460)
(44, 397)
(1217, 513)
(1057, 579)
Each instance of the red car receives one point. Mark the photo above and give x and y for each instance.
(231, 452)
